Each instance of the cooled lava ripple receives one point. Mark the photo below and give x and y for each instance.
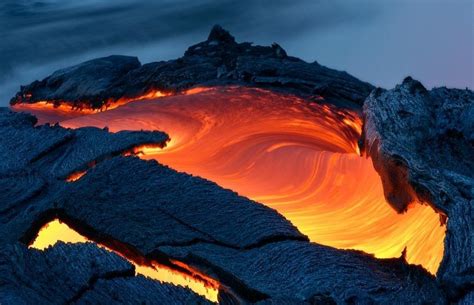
(298, 157)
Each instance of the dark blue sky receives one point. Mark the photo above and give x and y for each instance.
(379, 41)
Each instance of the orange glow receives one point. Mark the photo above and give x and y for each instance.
(48, 112)
(196, 90)
(207, 287)
(75, 176)
(140, 150)
(297, 157)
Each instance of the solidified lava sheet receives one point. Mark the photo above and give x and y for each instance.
(235, 174)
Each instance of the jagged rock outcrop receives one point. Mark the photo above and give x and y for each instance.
(422, 144)
(151, 211)
(219, 60)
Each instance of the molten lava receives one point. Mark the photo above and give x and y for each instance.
(56, 230)
(75, 176)
(50, 112)
(298, 157)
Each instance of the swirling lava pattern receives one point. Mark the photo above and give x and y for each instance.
(295, 156)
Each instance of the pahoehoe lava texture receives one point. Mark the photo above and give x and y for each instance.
(246, 246)
(422, 144)
(79, 274)
(219, 60)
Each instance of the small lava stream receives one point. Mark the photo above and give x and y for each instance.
(298, 157)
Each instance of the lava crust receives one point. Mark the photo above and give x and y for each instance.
(219, 60)
(422, 144)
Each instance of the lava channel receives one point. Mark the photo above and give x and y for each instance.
(298, 157)
(55, 231)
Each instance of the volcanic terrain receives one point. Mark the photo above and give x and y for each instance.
(235, 174)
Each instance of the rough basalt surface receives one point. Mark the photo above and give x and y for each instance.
(79, 274)
(219, 60)
(308, 271)
(185, 209)
(89, 80)
(150, 211)
(422, 144)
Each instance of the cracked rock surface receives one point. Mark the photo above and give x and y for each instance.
(79, 274)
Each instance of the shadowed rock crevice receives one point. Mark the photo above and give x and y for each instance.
(93, 281)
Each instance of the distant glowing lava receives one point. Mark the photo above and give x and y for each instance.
(298, 157)
(56, 230)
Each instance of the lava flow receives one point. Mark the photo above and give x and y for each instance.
(295, 156)
(56, 230)
(50, 112)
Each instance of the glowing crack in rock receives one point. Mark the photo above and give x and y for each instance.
(55, 231)
(298, 157)
(75, 176)
(51, 112)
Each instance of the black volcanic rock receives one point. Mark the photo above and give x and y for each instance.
(220, 35)
(219, 60)
(79, 274)
(36, 160)
(153, 212)
(83, 82)
(422, 144)
(185, 209)
(309, 272)
(138, 290)
(23, 145)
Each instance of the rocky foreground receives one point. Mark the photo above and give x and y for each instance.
(421, 143)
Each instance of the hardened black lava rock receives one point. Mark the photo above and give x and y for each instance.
(89, 80)
(219, 60)
(422, 144)
(138, 290)
(312, 273)
(79, 274)
(35, 161)
(152, 212)
(185, 209)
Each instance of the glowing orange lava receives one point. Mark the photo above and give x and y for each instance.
(49, 112)
(75, 176)
(297, 157)
(56, 230)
